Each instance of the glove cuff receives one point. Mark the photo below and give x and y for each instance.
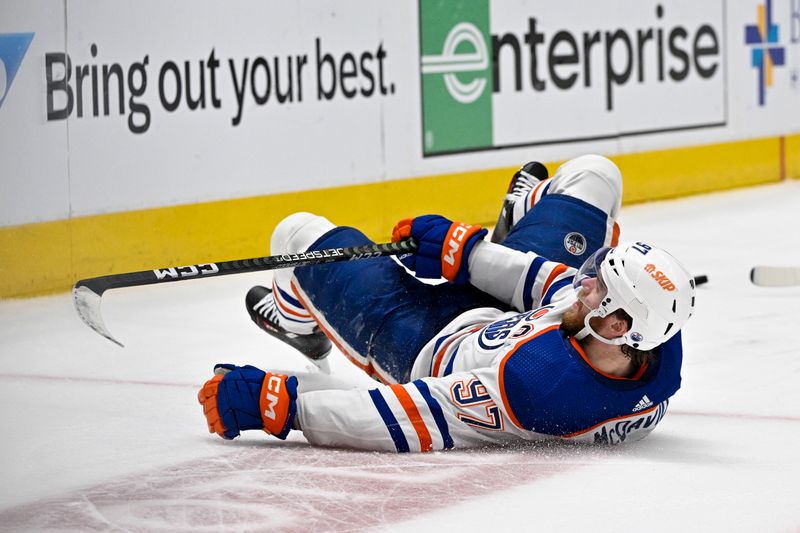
(278, 404)
(458, 243)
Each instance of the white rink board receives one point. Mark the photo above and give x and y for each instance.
(365, 129)
(621, 85)
(108, 438)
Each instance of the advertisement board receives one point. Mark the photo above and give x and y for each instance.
(115, 110)
(524, 74)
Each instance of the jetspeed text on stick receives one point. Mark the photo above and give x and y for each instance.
(313, 254)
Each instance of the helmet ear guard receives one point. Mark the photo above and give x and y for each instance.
(651, 286)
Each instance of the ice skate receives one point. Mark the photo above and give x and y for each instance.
(263, 310)
(524, 180)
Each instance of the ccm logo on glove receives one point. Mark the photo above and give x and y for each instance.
(458, 234)
(271, 398)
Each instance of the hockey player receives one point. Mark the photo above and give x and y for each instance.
(514, 347)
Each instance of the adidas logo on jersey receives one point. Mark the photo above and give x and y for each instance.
(644, 403)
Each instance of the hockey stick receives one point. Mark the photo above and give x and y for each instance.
(87, 293)
(773, 276)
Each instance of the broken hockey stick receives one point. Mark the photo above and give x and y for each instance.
(774, 276)
(87, 293)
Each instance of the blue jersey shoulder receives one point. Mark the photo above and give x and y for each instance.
(549, 388)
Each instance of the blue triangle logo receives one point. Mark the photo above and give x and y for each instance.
(13, 47)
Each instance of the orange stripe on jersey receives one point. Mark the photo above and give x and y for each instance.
(425, 441)
(443, 349)
(640, 373)
(604, 374)
(501, 379)
(282, 305)
(553, 275)
(581, 432)
(614, 235)
(535, 193)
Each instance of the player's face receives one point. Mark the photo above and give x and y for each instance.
(590, 290)
(588, 280)
(591, 293)
(573, 319)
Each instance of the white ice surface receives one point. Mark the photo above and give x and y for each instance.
(96, 437)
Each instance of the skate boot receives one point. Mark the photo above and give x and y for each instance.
(263, 310)
(523, 182)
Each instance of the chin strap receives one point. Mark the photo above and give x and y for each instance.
(582, 334)
(587, 330)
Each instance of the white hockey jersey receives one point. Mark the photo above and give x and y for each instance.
(493, 377)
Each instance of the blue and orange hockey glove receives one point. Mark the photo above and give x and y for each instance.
(243, 397)
(443, 246)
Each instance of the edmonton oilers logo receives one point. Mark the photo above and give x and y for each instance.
(512, 328)
(575, 243)
(636, 337)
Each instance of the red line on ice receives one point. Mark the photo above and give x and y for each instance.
(86, 379)
(293, 487)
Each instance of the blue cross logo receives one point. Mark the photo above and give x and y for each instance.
(765, 54)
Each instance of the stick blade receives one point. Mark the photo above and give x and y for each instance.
(773, 276)
(87, 304)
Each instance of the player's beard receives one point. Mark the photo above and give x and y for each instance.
(572, 319)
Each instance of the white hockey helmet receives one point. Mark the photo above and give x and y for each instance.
(645, 282)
